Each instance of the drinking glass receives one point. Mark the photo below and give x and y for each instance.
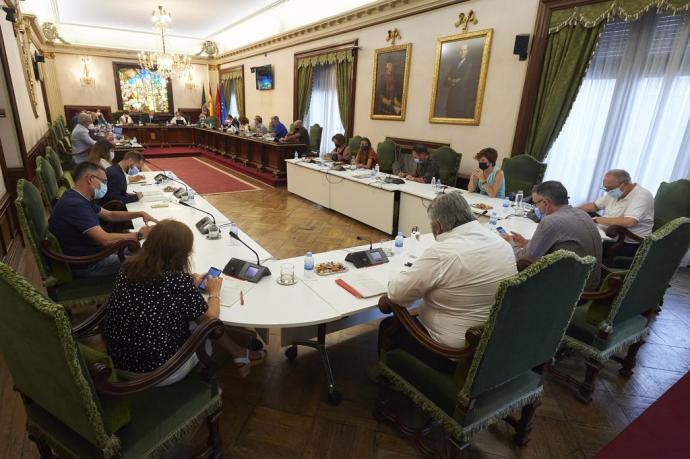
(287, 273)
(387, 247)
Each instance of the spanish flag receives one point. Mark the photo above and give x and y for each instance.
(210, 100)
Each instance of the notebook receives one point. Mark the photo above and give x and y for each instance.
(361, 285)
(152, 196)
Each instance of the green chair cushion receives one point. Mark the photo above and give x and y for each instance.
(522, 172)
(448, 161)
(68, 177)
(61, 271)
(116, 411)
(582, 330)
(84, 291)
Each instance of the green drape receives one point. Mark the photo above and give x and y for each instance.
(227, 90)
(305, 80)
(568, 52)
(343, 78)
(239, 94)
(237, 78)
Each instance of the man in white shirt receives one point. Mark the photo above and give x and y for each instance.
(456, 278)
(125, 118)
(81, 140)
(625, 204)
(178, 119)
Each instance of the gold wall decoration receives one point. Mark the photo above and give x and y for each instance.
(22, 30)
(465, 20)
(209, 47)
(462, 62)
(393, 35)
(51, 33)
(389, 83)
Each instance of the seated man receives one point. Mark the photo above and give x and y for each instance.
(178, 118)
(81, 139)
(299, 134)
(279, 129)
(125, 118)
(426, 167)
(259, 127)
(75, 222)
(130, 165)
(150, 118)
(561, 227)
(456, 278)
(625, 204)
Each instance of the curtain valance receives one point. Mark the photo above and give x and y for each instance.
(628, 10)
(235, 74)
(334, 57)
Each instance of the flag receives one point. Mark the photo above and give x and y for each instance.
(216, 102)
(203, 97)
(210, 100)
(223, 108)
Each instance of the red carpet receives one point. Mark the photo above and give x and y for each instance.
(264, 176)
(203, 177)
(662, 430)
(172, 151)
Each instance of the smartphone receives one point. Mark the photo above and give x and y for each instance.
(501, 231)
(212, 272)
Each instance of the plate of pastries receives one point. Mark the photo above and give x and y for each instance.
(329, 267)
(481, 206)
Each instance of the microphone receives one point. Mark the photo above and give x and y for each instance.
(258, 261)
(179, 193)
(360, 238)
(205, 225)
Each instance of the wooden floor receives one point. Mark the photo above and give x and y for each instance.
(280, 410)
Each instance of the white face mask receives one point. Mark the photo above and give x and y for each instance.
(112, 156)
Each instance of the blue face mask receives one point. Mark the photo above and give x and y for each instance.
(537, 213)
(134, 170)
(616, 193)
(417, 160)
(101, 191)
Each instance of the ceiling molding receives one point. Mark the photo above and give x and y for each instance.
(108, 52)
(366, 16)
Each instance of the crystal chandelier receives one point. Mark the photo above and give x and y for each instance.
(167, 65)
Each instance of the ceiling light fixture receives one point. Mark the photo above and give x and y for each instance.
(167, 65)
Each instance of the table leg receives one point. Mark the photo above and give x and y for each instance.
(334, 397)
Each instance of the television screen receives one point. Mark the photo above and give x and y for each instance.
(264, 78)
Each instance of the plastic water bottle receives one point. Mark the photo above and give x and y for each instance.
(518, 202)
(414, 244)
(506, 203)
(377, 169)
(296, 155)
(191, 194)
(373, 171)
(438, 187)
(398, 246)
(308, 265)
(493, 221)
(433, 184)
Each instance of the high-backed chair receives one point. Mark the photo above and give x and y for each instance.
(315, 132)
(618, 315)
(354, 144)
(522, 172)
(448, 161)
(53, 265)
(212, 121)
(500, 369)
(76, 407)
(63, 177)
(50, 190)
(387, 153)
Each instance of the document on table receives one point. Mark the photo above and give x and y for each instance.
(231, 288)
(361, 285)
(153, 195)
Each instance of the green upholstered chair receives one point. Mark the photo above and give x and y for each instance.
(76, 407)
(500, 370)
(212, 121)
(387, 153)
(53, 266)
(48, 183)
(618, 315)
(522, 172)
(64, 177)
(315, 132)
(448, 161)
(354, 144)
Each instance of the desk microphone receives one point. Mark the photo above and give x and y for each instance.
(360, 238)
(179, 193)
(206, 225)
(258, 261)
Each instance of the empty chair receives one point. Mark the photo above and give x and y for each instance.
(522, 172)
(315, 132)
(387, 153)
(448, 161)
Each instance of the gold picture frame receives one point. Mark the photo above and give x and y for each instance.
(462, 62)
(390, 108)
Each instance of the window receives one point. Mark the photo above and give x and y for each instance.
(323, 106)
(632, 110)
(232, 103)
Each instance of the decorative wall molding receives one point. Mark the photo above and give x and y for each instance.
(10, 238)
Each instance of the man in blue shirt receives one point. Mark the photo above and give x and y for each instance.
(279, 129)
(76, 225)
(130, 164)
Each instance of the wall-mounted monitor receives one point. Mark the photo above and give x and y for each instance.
(264, 77)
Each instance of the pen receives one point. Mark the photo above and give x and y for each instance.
(241, 298)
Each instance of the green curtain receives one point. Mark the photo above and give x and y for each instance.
(239, 94)
(227, 91)
(305, 79)
(568, 52)
(237, 78)
(343, 78)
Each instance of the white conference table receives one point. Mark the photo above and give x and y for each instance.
(311, 308)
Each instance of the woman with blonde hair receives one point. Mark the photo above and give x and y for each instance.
(102, 153)
(156, 303)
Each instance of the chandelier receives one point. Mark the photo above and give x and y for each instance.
(167, 65)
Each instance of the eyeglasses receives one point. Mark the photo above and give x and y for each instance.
(100, 179)
(537, 202)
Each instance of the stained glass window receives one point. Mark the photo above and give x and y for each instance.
(142, 90)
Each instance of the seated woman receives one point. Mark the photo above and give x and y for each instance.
(178, 119)
(341, 152)
(156, 303)
(102, 153)
(244, 123)
(366, 156)
(488, 179)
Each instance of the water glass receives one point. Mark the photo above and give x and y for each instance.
(287, 273)
(387, 247)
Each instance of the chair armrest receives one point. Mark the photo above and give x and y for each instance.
(118, 248)
(619, 234)
(212, 328)
(523, 263)
(404, 318)
(615, 285)
(83, 328)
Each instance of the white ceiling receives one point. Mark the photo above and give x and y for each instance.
(126, 24)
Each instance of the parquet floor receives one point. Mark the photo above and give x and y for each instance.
(280, 410)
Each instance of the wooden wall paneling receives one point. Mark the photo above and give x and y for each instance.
(71, 110)
(192, 114)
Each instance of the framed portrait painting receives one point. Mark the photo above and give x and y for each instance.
(389, 85)
(462, 62)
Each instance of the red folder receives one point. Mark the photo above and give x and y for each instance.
(348, 287)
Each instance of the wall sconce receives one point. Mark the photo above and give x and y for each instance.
(190, 84)
(86, 78)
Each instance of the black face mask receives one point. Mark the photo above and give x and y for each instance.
(483, 166)
(365, 147)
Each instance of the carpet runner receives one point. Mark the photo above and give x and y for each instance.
(204, 178)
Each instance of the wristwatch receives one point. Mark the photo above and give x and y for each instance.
(140, 236)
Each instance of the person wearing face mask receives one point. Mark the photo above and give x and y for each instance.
(341, 152)
(625, 204)
(425, 167)
(456, 277)
(117, 174)
(488, 179)
(366, 156)
(102, 153)
(561, 227)
(76, 225)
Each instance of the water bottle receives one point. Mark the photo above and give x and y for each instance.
(296, 155)
(373, 171)
(308, 265)
(414, 243)
(433, 184)
(518, 202)
(191, 194)
(438, 187)
(377, 169)
(493, 221)
(398, 246)
(506, 203)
